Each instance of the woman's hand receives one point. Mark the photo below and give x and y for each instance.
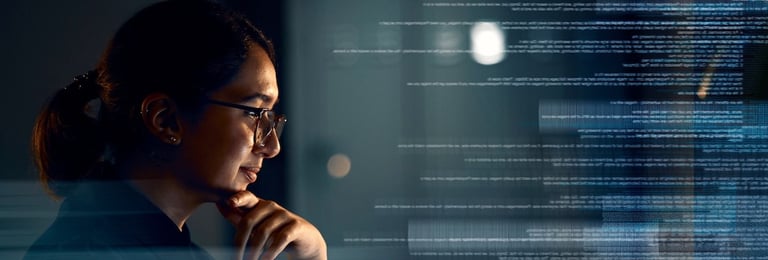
(265, 227)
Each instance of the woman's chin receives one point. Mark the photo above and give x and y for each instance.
(223, 193)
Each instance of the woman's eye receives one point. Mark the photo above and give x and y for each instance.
(251, 114)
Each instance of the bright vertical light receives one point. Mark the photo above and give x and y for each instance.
(487, 43)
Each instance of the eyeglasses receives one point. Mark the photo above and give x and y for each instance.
(266, 120)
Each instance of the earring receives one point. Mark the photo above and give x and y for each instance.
(173, 139)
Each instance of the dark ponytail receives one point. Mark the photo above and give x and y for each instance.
(68, 140)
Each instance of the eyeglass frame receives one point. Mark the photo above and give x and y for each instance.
(277, 124)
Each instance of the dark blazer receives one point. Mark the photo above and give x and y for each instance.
(111, 220)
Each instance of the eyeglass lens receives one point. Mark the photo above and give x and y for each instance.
(268, 122)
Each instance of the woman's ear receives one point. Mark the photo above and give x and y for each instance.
(160, 116)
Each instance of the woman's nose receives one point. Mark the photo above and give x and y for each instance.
(271, 146)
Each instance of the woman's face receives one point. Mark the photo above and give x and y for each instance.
(217, 155)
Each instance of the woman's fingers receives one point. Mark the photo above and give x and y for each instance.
(264, 232)
(243, 199)
(265, 228)
(231, 207)
(247, 227)
(279, 241)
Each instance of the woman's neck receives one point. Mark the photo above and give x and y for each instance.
(170, 196)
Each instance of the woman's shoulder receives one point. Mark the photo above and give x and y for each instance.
(77, 238)
(112, 222)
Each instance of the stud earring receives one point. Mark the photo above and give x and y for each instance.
(173, 139)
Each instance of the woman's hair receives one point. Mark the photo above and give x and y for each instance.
(183, 48)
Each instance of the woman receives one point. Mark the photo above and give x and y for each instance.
(176, 114)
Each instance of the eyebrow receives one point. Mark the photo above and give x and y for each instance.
(261, 96)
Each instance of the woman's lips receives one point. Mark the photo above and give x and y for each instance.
(251, 173)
